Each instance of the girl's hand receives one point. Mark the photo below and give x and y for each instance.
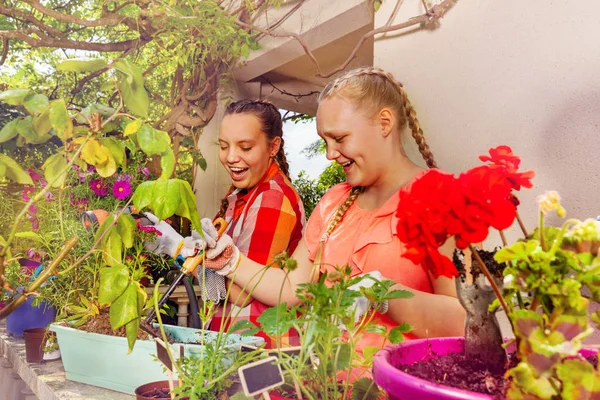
(224, 258)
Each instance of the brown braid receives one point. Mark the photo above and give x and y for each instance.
(282, 161)
(337, 217)
(359, 85)
(224, 204)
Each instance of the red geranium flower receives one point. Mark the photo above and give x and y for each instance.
(503, 158)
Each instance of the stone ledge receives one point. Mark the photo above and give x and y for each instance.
(47, 380)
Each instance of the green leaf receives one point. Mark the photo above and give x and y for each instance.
(126, 228)
(14, 97)
(55, 170)
(116, 150)
(131, 84)
(125, 308)
(369, 352)
(35, 103)
(131, 331)
(242, 325)
(61, 120)
(377, 5)
(153, 141)
(132, 127)
(82, 65)
(9, 131)
(13, 171)
(578, 379)
(202, 163)
(167, 163)
(187, 205)
(276, 319)
(113, 282)
(365, 389)
(112, 246)
(142, 197)
(30, 235)
(396, 333)
(166, 198)
(26, 129)
(398, 294)
(42, 123)
(379, 329)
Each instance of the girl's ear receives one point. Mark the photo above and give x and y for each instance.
(274, 146)
(386, 121)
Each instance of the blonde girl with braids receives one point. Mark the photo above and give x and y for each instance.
(362, 116)
(264, 212)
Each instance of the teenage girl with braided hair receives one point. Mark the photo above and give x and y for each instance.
(264, 212)
(361, 117)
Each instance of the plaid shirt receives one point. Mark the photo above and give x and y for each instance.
(263, 222)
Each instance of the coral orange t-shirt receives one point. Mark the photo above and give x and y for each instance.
(366, 241)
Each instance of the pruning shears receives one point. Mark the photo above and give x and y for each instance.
(187, 266)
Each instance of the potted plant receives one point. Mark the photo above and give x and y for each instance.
(87, 148)
(328, 365)
(545, 272)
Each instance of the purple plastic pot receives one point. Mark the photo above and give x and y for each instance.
(26, 317)
(402, 386)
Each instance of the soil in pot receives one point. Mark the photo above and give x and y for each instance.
(101, 324)
(464, 373)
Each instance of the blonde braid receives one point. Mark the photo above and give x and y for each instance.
(406, 107)
(337, 217)
(417, 132)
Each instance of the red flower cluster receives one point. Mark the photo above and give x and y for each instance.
(439, 206)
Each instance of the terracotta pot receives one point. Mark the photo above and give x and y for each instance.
(402, 386)
(34, 344)
(153, 390)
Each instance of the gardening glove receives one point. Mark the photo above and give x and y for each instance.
(210, 233)
(224, 258)
(212, 285)
(362, 304)
(170, 242)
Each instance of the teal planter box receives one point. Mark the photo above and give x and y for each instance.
(102, 360)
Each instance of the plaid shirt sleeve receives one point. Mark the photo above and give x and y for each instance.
(268, 224)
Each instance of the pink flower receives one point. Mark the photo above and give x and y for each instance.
(99, 187)
(49, 197)
(35, 177)
(144, 171)
(149, 229)
(122, 189)
(25, 193)
(79, 204)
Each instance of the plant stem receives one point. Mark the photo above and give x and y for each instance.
(31, 202)
(503, 237)
(487, 274)
(542, 238)
(521, 224)
(45, 274)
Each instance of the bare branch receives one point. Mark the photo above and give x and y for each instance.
(106, 20)
(18, 14)
(47, 41)
(281, 20)
(394, 12)
(296, 96)
(4, 50)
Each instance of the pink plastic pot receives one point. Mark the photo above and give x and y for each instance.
(402, 386)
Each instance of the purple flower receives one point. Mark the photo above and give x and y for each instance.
(99, 187)
(144, 171)
(35, 224)
(49, 197)
(149, 229)
(91, 168)
(79, 204)
(25, 193)
(125, 177)
(81, 178)
(34, 175)
(122, 189)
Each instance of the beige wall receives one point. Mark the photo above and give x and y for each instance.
(521, 73)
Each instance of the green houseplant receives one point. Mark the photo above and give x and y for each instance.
(545, 272)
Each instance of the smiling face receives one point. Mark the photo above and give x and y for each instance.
(353, 140)
(245, 150)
